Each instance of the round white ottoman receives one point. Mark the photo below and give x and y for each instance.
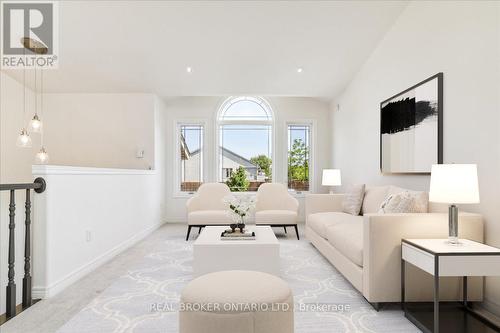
(236, 302)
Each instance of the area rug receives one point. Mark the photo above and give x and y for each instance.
(146, 298)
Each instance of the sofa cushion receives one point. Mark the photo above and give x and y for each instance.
(319, 222)
(421, 199)
(209, 217)
(406, 202)
(347, 238)
(353, 199)
(273, 217)
(398, 203)
(374, 197)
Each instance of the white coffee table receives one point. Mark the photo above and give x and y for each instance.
(211, 254)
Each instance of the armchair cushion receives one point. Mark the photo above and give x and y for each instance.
(276, 217)
(209, 217)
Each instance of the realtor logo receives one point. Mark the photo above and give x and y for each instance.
(29, 34)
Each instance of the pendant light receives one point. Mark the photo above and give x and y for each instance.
(41, 157)
(24, 139)
(36, 123)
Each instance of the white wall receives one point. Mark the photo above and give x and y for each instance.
(100, 130)
(160, 152)
(85, 217)
(460, 39)
(285, 109)
(15, 163)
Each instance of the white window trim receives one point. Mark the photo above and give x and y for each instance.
(218, 123)
(177, 193)
(312, 153)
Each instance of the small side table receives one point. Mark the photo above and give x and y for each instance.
(439, 258)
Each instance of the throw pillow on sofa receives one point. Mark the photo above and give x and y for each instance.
(353, 199)
(421, 201)
(405, 202)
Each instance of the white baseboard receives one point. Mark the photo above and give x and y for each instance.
(175, 219)
(42, 292)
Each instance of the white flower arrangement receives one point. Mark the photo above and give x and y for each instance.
(240, 206)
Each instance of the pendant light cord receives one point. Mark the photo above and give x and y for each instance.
(41, 104)
(36, 97)
(24, 88)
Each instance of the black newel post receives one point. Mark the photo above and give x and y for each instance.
(27, 253)
(11, 286)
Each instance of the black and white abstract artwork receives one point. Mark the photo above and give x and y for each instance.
(411, 128)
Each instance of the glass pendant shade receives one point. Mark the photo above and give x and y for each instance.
(24, 139)
(42, 157)
(36, 124)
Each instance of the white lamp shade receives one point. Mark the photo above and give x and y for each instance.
(331, 177)
(454, 184)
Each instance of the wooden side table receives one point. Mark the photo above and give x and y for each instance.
(439, 258)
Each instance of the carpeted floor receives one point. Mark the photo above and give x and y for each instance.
(144, 299)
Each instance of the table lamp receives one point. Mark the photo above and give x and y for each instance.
(454, 184)
(331, 177)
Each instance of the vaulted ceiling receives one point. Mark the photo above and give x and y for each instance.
(238, 47)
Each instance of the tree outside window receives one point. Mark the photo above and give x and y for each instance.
(245, 126)
(298, 157)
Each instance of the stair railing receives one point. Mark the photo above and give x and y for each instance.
(38, 186)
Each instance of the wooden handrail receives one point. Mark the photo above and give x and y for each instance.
(38, 185)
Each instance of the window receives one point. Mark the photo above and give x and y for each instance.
(245, 143)
(228, 172)
(299, 157)
(191, 157)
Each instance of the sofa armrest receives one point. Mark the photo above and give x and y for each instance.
(382, 235)
(318, 203)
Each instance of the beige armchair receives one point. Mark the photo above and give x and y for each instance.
(207, 207)
(276, 207)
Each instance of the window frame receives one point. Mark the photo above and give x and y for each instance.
(218, 123)
(177, 160)
(312, 142)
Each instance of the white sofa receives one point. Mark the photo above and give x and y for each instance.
(367, 249)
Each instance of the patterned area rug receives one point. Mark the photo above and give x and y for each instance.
(146, 299)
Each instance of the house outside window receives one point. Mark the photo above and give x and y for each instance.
(245, 156)
(191, 157)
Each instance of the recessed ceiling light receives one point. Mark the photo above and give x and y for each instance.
(189, 69)
(299, 70)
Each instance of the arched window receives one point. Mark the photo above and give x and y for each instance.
(245, 154)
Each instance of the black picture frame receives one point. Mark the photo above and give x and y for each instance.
(440, 78)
